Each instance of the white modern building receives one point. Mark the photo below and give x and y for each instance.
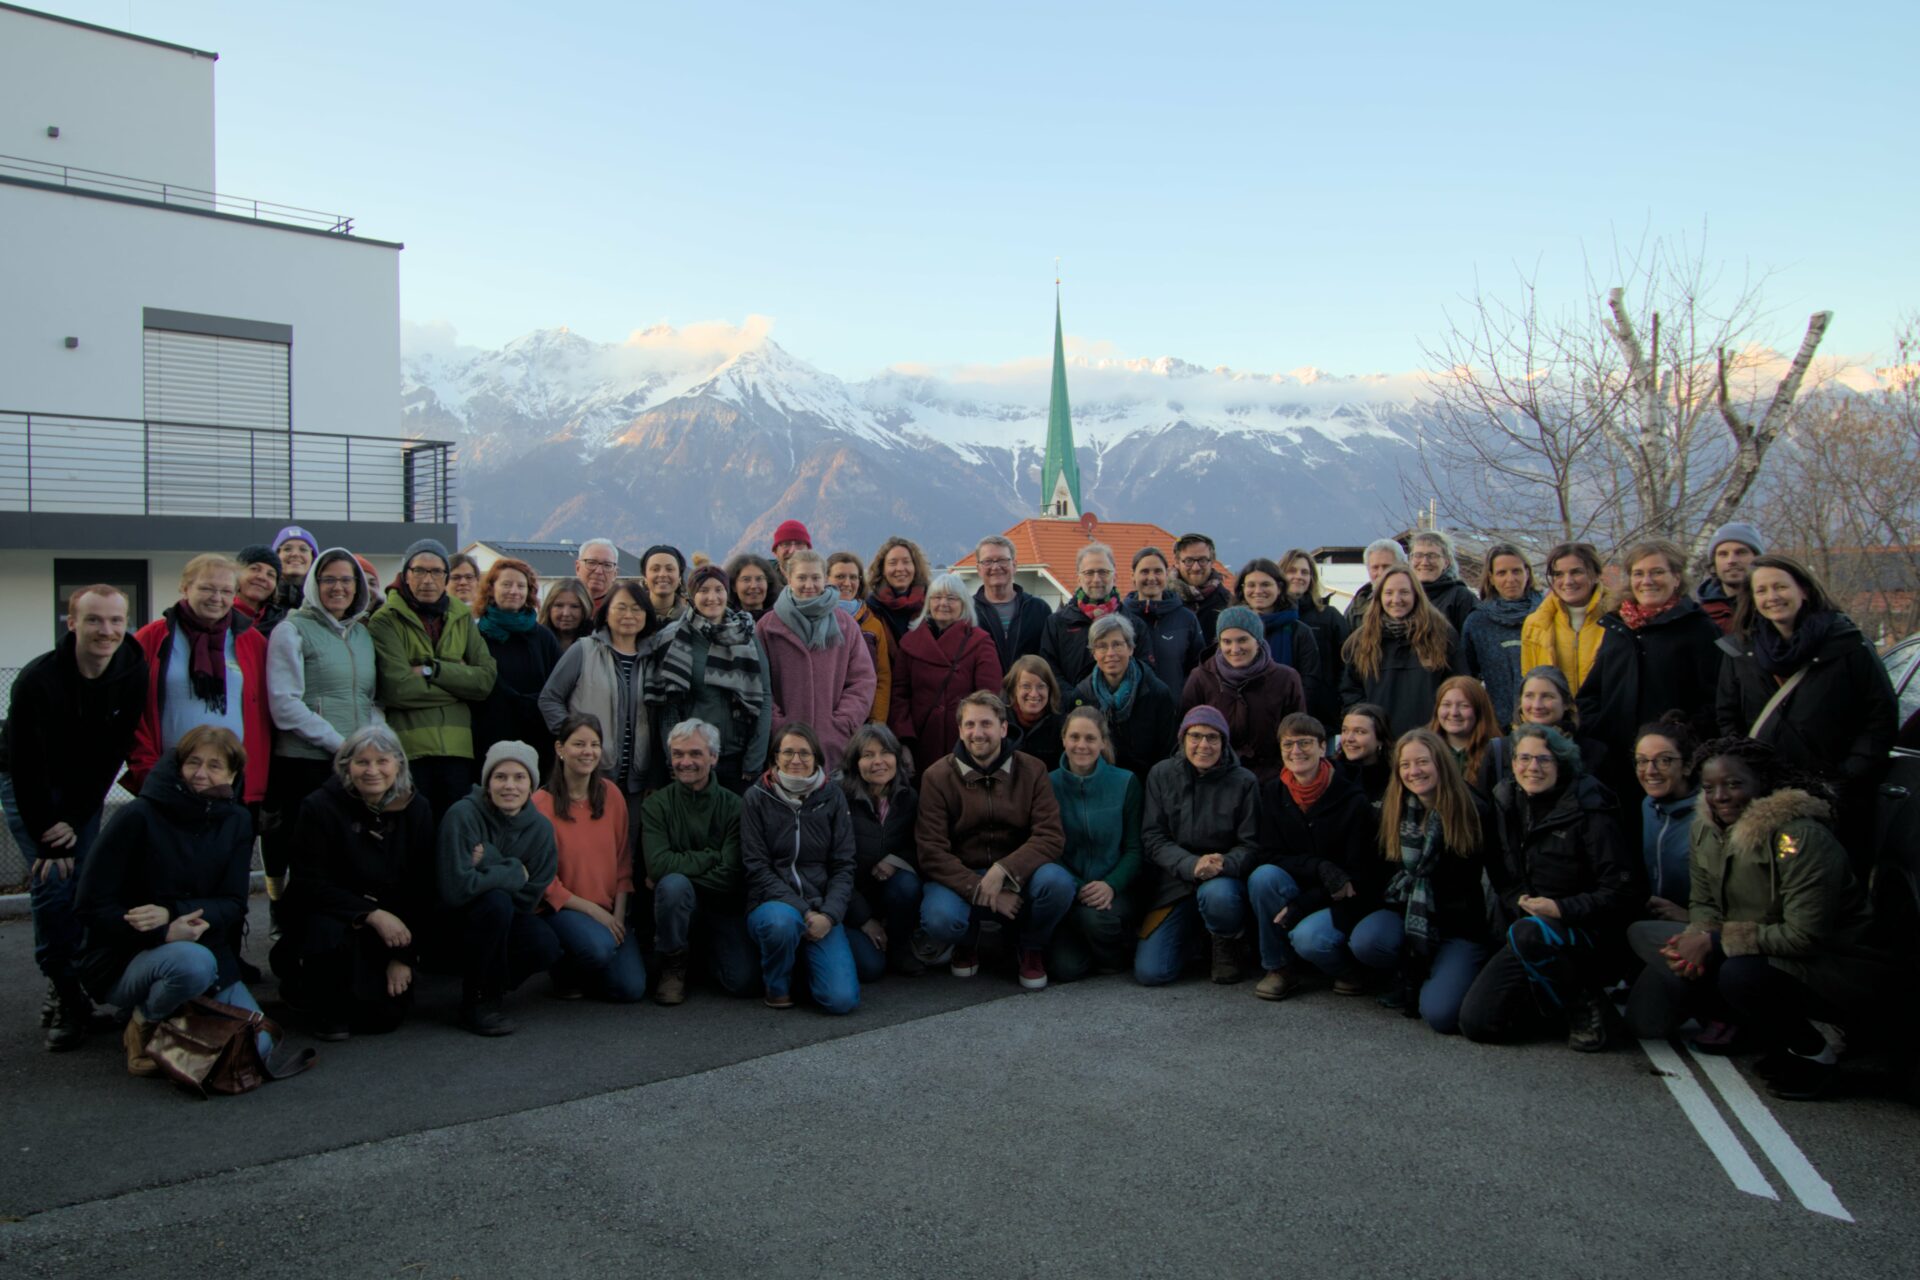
(181, 369)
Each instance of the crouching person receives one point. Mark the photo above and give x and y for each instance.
(690, 838)
(1100, 807)
(988, 833)
(796, 847)
(496, 858)
(363, 857)
(588, 896)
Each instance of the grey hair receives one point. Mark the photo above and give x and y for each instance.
(1565, 753)
(1108, 624)
(696, 729)
(997, 540)
(379, 737)
(950, 584)
(1444, 541)
(1385, 544)
(591, 543)
(1093, 548)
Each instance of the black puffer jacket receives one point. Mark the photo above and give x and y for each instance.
(876, 838)
(1190, 813)
(803, 857)
(1838, 723)
(1571, 854)
(1670, 664)
(1064, 645)
(349, 861)
(173, 849)
(1453, 598)
(1333, 844)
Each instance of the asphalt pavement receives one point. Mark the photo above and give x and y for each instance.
(949, 1127)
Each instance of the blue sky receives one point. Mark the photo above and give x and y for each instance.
(1263, 186)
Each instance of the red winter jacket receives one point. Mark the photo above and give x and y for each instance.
(250, 651)
(930, 675)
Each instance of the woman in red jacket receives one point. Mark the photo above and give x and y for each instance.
(944, 656)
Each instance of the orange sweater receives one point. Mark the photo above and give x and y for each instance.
(594, 861)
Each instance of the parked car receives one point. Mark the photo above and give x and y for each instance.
(1896, 850)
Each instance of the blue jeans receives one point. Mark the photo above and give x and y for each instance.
(780, 931)
(1322, 944)
(1270, 890)
(1219, 906)
(616, 972)
(1377, 942)
(952, 921)
(899, 911)
(159, 983)
(56, 931)
(678, 915)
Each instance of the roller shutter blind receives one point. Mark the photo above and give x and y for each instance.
(226, 382)
(235, 459)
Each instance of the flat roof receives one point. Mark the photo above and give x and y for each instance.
(110, 31)
(84, 194)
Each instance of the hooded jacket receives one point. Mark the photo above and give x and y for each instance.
(1670, 664)
(803, 857)
(1254, 709)
(156, 640)
(1453, 598)
(66, 737)
(320, 670)
(431, 715)
(1100, 818)
(349, 861)
(1144, 738)
(1848, 749)
(971, 818)
(931, 673)
(1189, 814)
(174, 849)
(1064, 643)
(1778, 884)
(1490, 650)
(1030, 614)
(518, 854)
(1547, 637)
(1175, 640)
(1325, 848)
(1571, 854)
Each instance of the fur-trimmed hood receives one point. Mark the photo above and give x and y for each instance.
(1752, 834)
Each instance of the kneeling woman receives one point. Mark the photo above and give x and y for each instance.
(362, 859)
(1565, 886)
(1433, 930)
(1776, 938)
(796, 847)
(885, 906)
(588, 896)
(164, 889)
(1100, 814)
(496, 858)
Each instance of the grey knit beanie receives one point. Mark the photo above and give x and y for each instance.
(1738, 531)
(501, 752)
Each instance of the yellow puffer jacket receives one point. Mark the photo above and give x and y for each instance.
(1547, 638)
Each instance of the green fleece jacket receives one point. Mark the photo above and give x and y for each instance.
(695, 834)
(516, 853)
(432, 715)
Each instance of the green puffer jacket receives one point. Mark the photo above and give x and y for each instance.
(1778, 884)
(431, 716)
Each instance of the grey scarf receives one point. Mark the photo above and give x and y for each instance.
(815, 621)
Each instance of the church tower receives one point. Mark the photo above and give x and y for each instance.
(1060, 473)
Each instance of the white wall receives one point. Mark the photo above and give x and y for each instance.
(122, 106)
(73, 266)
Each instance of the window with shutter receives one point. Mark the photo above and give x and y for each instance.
(219, 409)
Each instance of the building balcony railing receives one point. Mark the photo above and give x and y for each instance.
(74, 463)
(169, 193)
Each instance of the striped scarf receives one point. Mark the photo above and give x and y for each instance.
(1413, 882)
(733, 663)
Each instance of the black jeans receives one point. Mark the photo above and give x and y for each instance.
(1545, 966)
(500, 946)
(1767, 1001)
(340, 972)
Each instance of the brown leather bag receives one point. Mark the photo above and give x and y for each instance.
(211, 1047)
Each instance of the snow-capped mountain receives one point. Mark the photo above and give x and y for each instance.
(710, 438)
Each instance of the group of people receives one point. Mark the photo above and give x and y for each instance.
(794, 775)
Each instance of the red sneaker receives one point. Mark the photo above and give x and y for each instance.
(965, 962)
(1033, 969)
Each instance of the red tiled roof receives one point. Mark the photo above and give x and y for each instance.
(1055, 544)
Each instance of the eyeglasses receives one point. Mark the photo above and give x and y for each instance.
(998, 562)
(431, 575)
(1300, 746)
(601, 564)
(800, 754)
(1661, 762)
(1532, 760)
(1196, 562)
(1202, 738)
(1427, 557)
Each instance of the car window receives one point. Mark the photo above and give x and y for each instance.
(1903, 663)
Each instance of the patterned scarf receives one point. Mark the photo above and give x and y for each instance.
(1395, 628)
(1307, 794)
(1413, 882)
(1636, 616)
(816, 620)
(207, 669)
(888, 599)
(1092, 609)
(733, 663)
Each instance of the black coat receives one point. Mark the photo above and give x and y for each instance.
(511, 712)
(1459, 892)
(875, 838)
(1403, 688)
(1145, 737)
(1670, 664)
(1334, 844)
(1207, 607)
(66, 738)
(1453, 598)
(348, 861)
(1572, 854)
(173, 849)
(1370, 778)
(1330, 632)
(1041, 740)
(1189, 814)
(1064, 645)
(1030, 614)
(803, 857)
(1839, 722)
(1175, 641)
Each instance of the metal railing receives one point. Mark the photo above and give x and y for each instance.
(76, 463)
(171, 193)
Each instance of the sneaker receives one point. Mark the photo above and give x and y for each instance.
(927, 951)
(1033, 969)
(1277, 985)
(1349, 987)
(72, 1014)
(672, 987)
(778, 1000)
(1226, 961)
(48, 1003)
(1799, 1079)
(1589, 1023)
(964, 962)
(134, 1039)
(486, 1018)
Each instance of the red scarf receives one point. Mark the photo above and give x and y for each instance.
(207, 667)
(1308, 794)
(909, 601)
(1092, 610)
(1637, 617)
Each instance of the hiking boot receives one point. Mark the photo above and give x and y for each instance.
(672, 987)
(1033, 969)
(927, 951)
(965, 962)
(778, 1000)
(1349, 987)
(1226, 961)
(486, 1017)
(48, 1003)
(1277, 985)
(72, 1013)
(1589, 1020)
(134, 1039)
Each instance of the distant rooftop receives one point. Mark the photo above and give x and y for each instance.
(111, 31)
(551, 559)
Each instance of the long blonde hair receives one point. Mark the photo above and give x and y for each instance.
(1452, 801)
(1427, 629)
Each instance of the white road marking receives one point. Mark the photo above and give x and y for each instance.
(1707, 1121)
(1795, 1169)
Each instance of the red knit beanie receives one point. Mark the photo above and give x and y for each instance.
(792, 531)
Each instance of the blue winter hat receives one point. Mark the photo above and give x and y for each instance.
(293, 531)
(1243, 618)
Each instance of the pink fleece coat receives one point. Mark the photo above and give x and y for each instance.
(831, 690)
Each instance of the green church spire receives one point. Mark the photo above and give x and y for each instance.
(1060, 473)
